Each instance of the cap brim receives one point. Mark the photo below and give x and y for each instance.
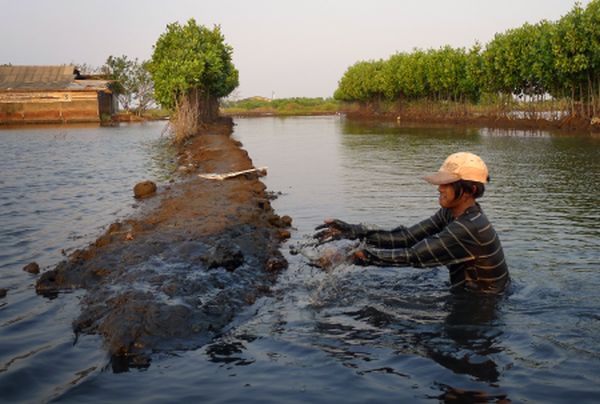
(441, 178)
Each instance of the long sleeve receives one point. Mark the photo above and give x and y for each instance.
(403, 237)
(468, 246)
(451, 245)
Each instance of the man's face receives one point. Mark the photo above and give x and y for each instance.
(447, 198)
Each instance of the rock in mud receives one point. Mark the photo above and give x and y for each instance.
(144, 189)
(276, 264)
(223, 255)
(3, 293)
(286, 220)
(32, 268)
(281, 222)
(283, 234)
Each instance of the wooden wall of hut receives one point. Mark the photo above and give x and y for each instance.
(55, 106)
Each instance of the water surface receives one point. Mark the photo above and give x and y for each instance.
(354, 334)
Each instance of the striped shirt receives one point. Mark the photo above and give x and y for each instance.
(467, 245)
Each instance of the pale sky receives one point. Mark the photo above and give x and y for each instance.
(283, 48)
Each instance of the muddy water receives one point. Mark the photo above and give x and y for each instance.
(354, 334)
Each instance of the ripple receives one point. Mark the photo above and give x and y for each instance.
(351, 335)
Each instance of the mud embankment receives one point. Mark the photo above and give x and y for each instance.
(174, 277)
(566, 124)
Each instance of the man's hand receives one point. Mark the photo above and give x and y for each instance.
(360, 258)
(335, 229)
(328, 232)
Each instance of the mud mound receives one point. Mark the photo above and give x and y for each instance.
(174, 277)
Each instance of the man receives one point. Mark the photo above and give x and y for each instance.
(459, 235)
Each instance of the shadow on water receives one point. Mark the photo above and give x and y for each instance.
(458, 332)
(471, 328)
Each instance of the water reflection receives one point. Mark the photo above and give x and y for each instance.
(471, 327)
(460, 333)
(456, 395)
(358, 127)
(229, 352)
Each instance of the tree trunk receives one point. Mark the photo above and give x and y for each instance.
(581, 100)
(591, 97)
(572, 100)
(206, 105)
(598, 84)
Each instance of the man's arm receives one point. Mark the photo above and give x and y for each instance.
(450, 246)
(403, 237)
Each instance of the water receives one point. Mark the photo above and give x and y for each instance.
(60, 188)
(354, 334)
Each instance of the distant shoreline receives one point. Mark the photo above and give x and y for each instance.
(568, 124)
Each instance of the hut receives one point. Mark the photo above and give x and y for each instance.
(51, 94)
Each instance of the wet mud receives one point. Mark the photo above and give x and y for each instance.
(567, 124)
(173, 277)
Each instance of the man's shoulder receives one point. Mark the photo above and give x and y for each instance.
(474, 217)
(442, 217)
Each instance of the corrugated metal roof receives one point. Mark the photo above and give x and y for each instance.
(92, 84)
(41, 78)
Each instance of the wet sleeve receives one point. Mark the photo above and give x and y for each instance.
(452, 245)
(403, 237)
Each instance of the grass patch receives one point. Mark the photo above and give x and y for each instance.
(281, 106)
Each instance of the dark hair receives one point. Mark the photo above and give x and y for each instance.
(470, 187)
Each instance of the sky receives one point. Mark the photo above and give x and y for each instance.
(281, 48)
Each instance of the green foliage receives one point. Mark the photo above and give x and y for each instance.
(474, 73)
(118, 69)
(571, 45)
(363, 81)
(405, 76)
(133, 84)
(282, 106)
(191, 57)
(440, 74)
(559, 58)
(520, 61)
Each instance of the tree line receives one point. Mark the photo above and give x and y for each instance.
(534, 62)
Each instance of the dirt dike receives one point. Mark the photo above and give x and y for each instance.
(568, 124)
(173, 277)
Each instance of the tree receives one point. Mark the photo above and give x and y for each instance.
(132, 82)
(362, 82)
(118, 69)
(474, 73)
(143, 87)
(192, 64)
(404, 76)
(85, 69)
(592, 26)
(571, 48)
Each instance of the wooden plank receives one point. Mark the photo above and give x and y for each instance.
(220, 177)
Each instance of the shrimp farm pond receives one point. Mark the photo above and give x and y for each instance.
(352, 334)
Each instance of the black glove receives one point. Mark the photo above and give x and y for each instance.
(338, 229)
(361, 257)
